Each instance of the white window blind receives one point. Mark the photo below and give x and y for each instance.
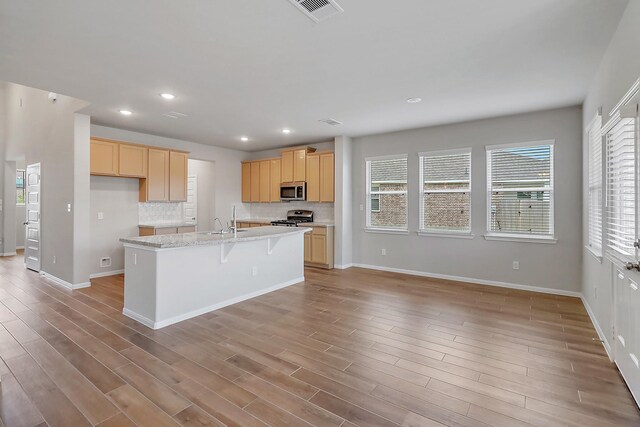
(445, 185)
(621, 189)
(387, 193)
(594, 132)
(520, 190)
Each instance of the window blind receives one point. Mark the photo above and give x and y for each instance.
(445, 181)
(621, 189)
(387, 192)
(595, 185)
(520, 190)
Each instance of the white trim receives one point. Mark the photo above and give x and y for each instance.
(386, 230)
(472, 280)
(387, 157)
(521, 238)
(596, 325)
(170, 321)
(19, 247)
(633, 90)
(8, 254)
(519, 144)
(593, 253)
(423, 233)
(450, 152)
(64, 283)
(343, 267)
(106, 274)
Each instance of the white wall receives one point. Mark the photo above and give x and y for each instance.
(344, 202)
(117, 199)
(619, 69)
(206, 177)
(555, 267)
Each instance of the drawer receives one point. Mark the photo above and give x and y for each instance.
(319, 231)
(161, 231)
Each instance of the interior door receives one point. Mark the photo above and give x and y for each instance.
(191, 205)
(32, 220)
(627, 326)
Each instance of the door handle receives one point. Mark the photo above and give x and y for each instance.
(632, 265)
(26, 223)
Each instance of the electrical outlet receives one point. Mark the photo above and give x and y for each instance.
(68, 207)
(361, 207)
(595, 293)
(254, 271)
(516, 265)
(383, 252)
(105, 262)
(54, 259)
(100, 215)
(135, 259)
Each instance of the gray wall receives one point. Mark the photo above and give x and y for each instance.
(619, 69)
(541, 265)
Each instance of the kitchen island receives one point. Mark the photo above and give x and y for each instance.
(170, 278)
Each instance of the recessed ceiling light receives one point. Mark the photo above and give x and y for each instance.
(244, 139)
(414, 100)
(168, 96)
(126, 112)
(286, 131)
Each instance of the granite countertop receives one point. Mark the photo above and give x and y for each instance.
(206, 238)
(308, 224)
(167, 225)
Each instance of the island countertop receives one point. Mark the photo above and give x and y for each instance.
(208, 238)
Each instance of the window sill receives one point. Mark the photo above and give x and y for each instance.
(597, 256)
(386, 230)
(521, 239)
(446, 235)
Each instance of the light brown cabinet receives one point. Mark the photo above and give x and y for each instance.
(153, 231)
(265, 181)
(178, 171)
(156, 187)
(300, 165)
(275, 179)
(132, 161)
(318, 247)
(103, 157)
(255, 181)
(327, 177)
(246, 182)
(249, 224)
(287, 166)
(313, 178)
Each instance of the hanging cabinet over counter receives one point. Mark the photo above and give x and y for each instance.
(163, 173)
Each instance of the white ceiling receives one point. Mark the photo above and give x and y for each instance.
(253, 67)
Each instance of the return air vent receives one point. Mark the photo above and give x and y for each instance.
(332, 122)
(175, 115)
(318, 10)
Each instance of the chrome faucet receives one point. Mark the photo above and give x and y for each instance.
(220, 223)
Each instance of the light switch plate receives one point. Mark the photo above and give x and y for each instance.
(100, 215)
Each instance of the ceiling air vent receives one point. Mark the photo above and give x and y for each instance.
(318, 10)
(174, 115)
(332, 122)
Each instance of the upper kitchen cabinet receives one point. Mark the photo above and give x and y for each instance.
(104, 157)
(276, 170)
(287, 166)
(178, 171)
(246, 182)
(265, 180)
(132, 161)
(294, 164)
(320, 177)
(156, 187)
(255, 181)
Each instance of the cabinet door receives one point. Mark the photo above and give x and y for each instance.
(157, 182)
(246, 182)
(300, 165)
(275, 180)
(313, 178)
(178, 170)
(287, 166)
(307, 247)
(104, 158)
(327, 173)
(318, 249)
(255, 181)
(132, 161)
(265, 181)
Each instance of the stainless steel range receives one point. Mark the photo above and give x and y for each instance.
(294, 218)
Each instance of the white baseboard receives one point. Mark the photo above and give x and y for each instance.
(106, 274)
(8, 253)
(64, 283)
(19, 247)
(472, 280)
(170, 321)
(343, 267)
(596, 325)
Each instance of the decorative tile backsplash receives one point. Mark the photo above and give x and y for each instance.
(155, 213)
(321, 211)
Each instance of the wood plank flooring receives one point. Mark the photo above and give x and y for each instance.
(345, 348)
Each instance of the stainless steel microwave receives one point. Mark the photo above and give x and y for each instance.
(293, 191)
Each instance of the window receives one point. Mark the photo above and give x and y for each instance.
(595, 185)
(445, 200)
(387, 193)
(621, 188)
(19, 187)
(520, 190)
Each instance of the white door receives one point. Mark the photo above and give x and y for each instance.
(191, 205)
(32, 220)
(627, 326)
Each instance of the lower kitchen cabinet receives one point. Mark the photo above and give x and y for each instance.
(318, 247)
(248, 224)
(159, 231)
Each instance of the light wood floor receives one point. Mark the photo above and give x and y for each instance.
(346, 348)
